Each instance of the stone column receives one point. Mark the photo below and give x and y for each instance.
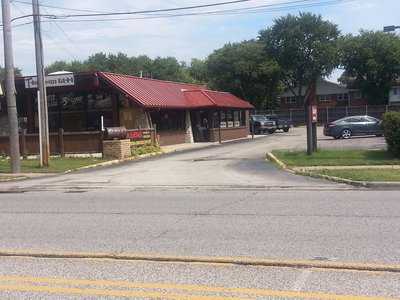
(189, 132)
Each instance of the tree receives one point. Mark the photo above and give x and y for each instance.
(372, 63)
(244, 70)
(198, 70)
(17, 72)
(167, 68)
(304, 46)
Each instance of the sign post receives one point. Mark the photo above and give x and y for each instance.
(314, 115)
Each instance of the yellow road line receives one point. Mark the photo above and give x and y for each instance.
(190, 288)
(249, 261)
(113, 293)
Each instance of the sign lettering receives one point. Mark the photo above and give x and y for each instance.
(51, 81)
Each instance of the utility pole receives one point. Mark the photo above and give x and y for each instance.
(42, 97)
(311, 118)
(10, 89)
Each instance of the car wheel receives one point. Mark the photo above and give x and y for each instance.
(346, 133)
(286, 130)
(337, 137)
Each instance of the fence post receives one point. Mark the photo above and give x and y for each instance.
(327, 114)
(366, 109)
(61, 142)
(347, 111)
(386, 108)
(23, 143)
(290, 115)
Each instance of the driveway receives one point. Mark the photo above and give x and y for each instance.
(233, 165)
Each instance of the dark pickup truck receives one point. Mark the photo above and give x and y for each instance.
(281, 123)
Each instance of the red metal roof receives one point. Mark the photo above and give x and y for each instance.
(152, 93)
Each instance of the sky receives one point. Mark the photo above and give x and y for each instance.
(183, 37)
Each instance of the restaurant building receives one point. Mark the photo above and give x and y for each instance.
(83, 104)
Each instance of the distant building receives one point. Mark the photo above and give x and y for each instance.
(329, 94)
(394, 95)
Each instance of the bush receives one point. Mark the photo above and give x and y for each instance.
(391, 128)
(137, 150)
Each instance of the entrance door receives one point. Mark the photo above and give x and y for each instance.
(200, 126)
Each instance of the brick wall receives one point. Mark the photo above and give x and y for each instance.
(171, 137)
(116, 149)
(228, 133)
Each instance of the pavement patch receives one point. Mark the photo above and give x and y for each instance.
(248, 261)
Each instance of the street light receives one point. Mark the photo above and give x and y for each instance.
(390, 28)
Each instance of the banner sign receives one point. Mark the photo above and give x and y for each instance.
(51, 81)
(139, 135)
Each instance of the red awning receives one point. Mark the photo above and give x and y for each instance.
(151, 93)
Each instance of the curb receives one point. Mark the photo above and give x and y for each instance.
(114, 162)
(245, 261)
(365, 184)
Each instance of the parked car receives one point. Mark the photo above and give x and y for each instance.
(353, 126)
(281, 123)
(260, 124)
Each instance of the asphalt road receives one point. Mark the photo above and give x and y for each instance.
(224, 201)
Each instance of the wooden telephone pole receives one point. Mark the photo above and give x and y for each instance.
(42, 96)
(10, 89)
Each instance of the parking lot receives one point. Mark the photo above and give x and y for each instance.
(296, 139)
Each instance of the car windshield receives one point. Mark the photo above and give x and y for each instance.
(259, 118)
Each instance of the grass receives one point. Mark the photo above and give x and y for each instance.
(144, 149)
(336, 158)
(364, 174)
(57, 165)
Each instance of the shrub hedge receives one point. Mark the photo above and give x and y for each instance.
(391, 128)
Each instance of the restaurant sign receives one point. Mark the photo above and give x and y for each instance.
(139, 134)
(51, 81)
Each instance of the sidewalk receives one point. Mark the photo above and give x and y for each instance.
(194, 146)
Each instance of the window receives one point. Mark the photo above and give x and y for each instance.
(243, 118)
(168, 119)
(236, 118)
(354, 120)
(343, 97)
(323, 98)
(357, 95)
(229, 118)
(291, 100)
(215, 119)
(395, 91)
(223, 119)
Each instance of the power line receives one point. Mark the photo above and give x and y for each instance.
(283, 6)
(75, 45)
(59, 7)
(247, 10)
(155, 10)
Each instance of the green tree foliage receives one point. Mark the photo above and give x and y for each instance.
(372, 62)
(198, 70)
(167, 68)
(391, 127)
(304, 46)
(3, 73)
(244, 70)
